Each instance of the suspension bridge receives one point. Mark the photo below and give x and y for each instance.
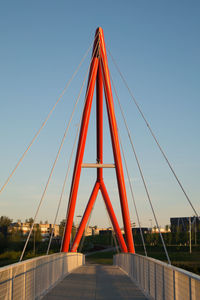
(65, 275)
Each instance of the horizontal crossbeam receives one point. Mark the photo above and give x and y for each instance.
(90, 165)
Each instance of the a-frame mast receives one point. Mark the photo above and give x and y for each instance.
(99, 74)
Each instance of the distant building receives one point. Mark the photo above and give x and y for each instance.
(88, 231)
(181, 224)
(94, 230)
(45, 229)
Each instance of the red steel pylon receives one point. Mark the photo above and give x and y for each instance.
(99, 74)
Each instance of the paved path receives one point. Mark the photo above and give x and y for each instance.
(96, 282)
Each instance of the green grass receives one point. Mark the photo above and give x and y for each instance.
(102, 258)
(11, 257)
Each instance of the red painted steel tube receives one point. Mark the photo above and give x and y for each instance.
(103, 75)
(80, 152)
(85, 217)
(113, 218)
(99, 117)
(116, 146)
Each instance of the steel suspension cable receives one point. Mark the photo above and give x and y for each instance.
(154, 137)
(47, 118)
(132, 194)
(54, 164)
(62, 192)
(141, 174)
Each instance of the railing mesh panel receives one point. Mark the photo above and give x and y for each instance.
(159, 280)
(168, 284)
(152, 278)
(30, 279)
(195, 289)
(181, 286)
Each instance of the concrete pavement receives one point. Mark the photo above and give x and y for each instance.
(96, 282)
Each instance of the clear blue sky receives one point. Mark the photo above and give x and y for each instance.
(156, 45)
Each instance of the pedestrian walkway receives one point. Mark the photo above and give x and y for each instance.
(96, 282)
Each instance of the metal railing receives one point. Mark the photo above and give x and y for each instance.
(159, 280)
(32, 279)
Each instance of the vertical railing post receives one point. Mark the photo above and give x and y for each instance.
(11, 285)
(63, 265)
(143, 275)
(132, 267)
(139, 271)
(24, 282)
(12, 291)
(190, 288)
(34, 285)
(174, 285)
(149, 277)
(163, 279)
(155, 284)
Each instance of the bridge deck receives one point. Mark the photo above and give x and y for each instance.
(97, 282)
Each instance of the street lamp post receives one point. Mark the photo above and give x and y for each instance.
(190, 234)
(195, 231)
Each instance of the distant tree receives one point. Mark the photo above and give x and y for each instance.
(46, 222)
(167, 228)
(29, 221)
(16, 234)
(3, 243)
(4, 223)
(156, 239)
(37, 232)
(170, 238)
(148, 239)
(74, 230)
(177, 236)
(61, 227)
